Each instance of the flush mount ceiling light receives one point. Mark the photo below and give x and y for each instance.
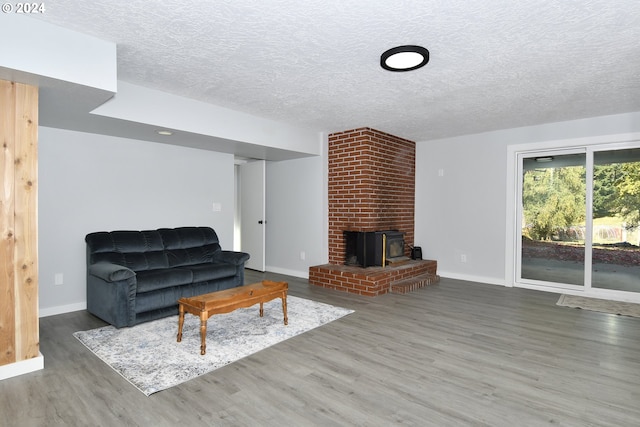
(404, 58)
(164, 132)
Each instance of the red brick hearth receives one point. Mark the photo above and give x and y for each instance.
(371, 187)
(373, 281)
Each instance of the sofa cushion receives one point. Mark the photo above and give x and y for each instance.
(188, 237)
(137, 250)
(189, 245)
(190, 256)
(151, 280)
(154, 305)
(125, 241)
(209, 271)
(136, 261)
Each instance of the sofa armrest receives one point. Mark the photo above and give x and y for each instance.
(110, 272)
(232, 257)
(111, 293)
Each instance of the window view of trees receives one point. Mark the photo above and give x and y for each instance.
(626, 199)
(554, 199)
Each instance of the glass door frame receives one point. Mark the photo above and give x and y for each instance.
(519, 188)
(513, 244)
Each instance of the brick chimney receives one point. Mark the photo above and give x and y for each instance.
(371, 186)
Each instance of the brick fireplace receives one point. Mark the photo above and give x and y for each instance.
(371, 187)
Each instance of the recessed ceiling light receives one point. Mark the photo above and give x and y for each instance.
(164, 132)
(404, 58)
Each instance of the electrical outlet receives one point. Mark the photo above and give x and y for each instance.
(463, 257)
(303, 255)
(58, 279)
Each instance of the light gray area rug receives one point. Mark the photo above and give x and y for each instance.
(601, 305)
(148, 356)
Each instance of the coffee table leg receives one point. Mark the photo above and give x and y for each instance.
(284, 308)
(203, 333)
(261, 309)
(180, 321)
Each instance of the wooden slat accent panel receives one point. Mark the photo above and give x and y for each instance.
(19, 336)
(26, 222)
(7, 244)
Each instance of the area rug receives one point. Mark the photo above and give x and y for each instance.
(601, 305)
(148, 356)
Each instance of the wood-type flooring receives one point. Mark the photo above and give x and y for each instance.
(451, 354)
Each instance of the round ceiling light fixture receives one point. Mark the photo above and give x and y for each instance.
(404, 58)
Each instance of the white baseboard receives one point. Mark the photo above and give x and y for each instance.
(471, 278)
(61, 309)
(287, 272)
(23, 367)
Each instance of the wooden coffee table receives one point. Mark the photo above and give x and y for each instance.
(226, 301)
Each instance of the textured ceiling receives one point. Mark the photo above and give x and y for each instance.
(315, 63)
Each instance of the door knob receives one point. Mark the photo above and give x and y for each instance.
(260, 222)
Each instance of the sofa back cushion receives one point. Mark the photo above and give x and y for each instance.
(137, 250)
(189, 245)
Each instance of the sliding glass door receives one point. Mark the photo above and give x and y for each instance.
(553, 212)
(616, 216)
(579, 219)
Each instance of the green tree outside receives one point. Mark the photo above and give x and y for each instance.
(626, 203)
(553, 198)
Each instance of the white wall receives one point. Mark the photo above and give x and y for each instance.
(464, 212)
(461, 212)
(296, 213)
(90, 182)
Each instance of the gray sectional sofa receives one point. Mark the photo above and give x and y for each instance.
(138, 276)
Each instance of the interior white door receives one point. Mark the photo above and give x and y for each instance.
(252, 184)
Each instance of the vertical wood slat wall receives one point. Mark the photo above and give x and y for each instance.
(19, 330)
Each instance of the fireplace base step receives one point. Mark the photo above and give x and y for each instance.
(370, 281)
(413, 283)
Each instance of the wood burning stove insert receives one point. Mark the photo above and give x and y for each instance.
(373, 248)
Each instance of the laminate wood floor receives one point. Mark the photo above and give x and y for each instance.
(454, 353)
